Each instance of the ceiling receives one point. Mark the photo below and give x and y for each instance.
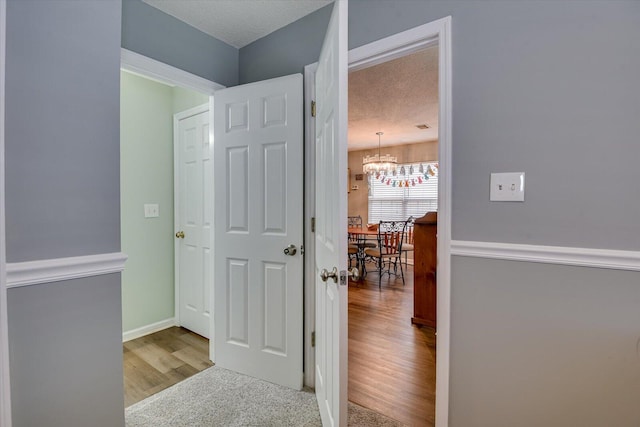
(238, 22)
(392, 97)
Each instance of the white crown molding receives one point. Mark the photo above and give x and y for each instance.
(55, 270)
(583, 257)
(164, 73)
(148, 329)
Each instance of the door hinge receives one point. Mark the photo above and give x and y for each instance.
(313, 108)
(313, 339)
(313, 224)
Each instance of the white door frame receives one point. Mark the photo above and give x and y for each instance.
(5, 385)
(433, 33)
(159, 71)
(176, 189)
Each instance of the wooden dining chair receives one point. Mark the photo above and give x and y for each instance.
(387, 255)
(352, 248)
(407, 244)
(354, 221)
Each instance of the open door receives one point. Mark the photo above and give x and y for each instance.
(258, 289)
(331, 221)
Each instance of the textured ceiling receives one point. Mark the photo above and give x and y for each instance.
(394, 97)
(238, 22)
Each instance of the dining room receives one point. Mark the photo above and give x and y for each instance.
(392, 218)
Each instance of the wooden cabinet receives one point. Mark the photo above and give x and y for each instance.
(424, 271)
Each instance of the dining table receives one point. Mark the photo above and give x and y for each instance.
(363, 238)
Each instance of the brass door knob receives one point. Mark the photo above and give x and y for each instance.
(180, 234)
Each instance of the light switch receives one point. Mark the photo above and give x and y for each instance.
(151, 210)
(507, 187)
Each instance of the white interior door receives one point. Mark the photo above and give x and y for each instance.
(258, 292)
(331, 220)
(194, 218)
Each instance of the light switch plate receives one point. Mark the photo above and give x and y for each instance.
(151, 210)
(507, 187)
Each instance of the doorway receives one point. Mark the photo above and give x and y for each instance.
(438, 34)
(147, 201)
(391, 360)
(153, 96)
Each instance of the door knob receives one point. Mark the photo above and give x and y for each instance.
(180, 234)
(354, 273)
(290, 250)
(333, 274)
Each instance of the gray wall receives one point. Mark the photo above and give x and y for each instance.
(62, 134)
(541, 87)
(62, 199)
(151, 32)
(285, 51)
(551, 89)
(65, 343)
(543, 345)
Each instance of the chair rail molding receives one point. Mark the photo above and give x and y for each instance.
(55, 270)
(562, 255)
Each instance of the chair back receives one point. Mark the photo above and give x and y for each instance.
(354, 221)
(390, 237)
(408, 230)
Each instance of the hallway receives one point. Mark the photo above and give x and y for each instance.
(391, 361)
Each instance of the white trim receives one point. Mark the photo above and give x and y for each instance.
(164, 73)
(148, 329)
(563, 255)
(181, 115)
(212, 256)
(445, 141)
(54, 270)
(309, 238)
(5, 385)
(384, 50)
(392, 47)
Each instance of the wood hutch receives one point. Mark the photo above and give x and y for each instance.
(424, 272)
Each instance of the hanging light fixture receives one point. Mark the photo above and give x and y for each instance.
(372, 165)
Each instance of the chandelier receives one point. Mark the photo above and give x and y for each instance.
(375, 164)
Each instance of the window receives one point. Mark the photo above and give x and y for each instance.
(413, 191)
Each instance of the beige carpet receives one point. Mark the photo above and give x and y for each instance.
(218, 397)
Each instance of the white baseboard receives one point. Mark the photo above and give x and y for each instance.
(583, 257)
(148, 329)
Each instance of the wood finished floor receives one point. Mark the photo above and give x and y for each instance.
(391, 361)
(160, 360)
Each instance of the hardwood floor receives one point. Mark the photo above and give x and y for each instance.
(160, 360)
(391, 361)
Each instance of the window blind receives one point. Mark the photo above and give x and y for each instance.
(391, 200)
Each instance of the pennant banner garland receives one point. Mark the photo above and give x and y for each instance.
(400, 179)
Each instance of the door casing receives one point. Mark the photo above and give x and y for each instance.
(5, 388)
(392, 47)
(167, 74)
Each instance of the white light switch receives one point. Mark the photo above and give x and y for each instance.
(507, 187)
(151, 210)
